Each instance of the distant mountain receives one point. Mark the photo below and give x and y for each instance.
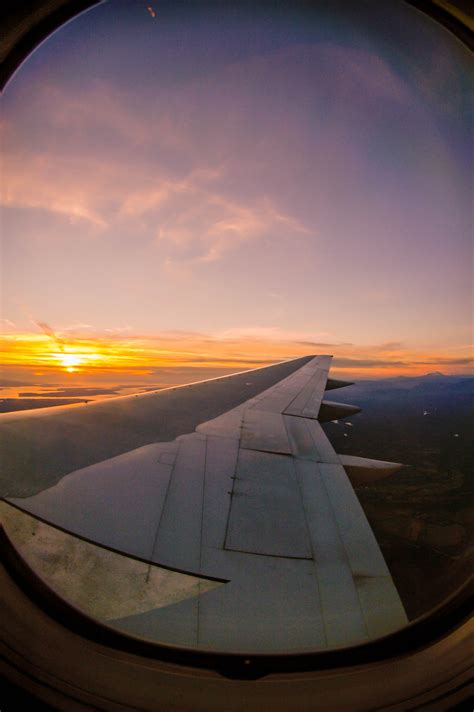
(403, 390)
(435, 377)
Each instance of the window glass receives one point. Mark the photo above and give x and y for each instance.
(199, 189)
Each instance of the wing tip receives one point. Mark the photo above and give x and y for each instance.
(364, 470)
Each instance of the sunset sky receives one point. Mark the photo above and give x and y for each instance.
(196, 188)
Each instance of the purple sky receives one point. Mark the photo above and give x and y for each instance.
(222, 171)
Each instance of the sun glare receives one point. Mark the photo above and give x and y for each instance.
(70, 362)
(73, 361)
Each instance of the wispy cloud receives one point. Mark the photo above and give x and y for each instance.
(271, 334)
(48, 331)
(55, 185)
(190, 219)
(119, 330)
(77, 326)
(198, 223)
(436, 361)
(7, 324)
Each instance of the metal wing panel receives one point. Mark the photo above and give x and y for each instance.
(270, 604)
(178, 538)
(266, 514)
(264, 431)
(340, 603)
(308, 441)
(39, 447)
(116, 503)
(307, 402)
(258, 497)
(221, 463)
(302, 390)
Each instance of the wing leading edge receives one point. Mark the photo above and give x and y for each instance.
(257, 497)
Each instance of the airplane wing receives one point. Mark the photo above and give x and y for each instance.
(246, 525)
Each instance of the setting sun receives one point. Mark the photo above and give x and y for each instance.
(70, 361)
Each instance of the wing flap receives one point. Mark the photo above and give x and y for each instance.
(264, 431)
(266, 514)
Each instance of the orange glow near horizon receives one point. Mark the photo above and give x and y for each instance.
(73, 360)
(188, 356)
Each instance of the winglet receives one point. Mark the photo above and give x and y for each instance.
(333, 411)
(362, 470)
(332, 383)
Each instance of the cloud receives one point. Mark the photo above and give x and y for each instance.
(325, 344)
(197, 181)
(75, 327)
(268, 333)
(46, 329)
(408, 363)
(199, 224)
(231, 361)
(445, 362)
(161, 189)
(343, 362)
(97, 108)
(388, 346)
(366, 73)
(119, 330)
(53, 184)
(189, 219)
(7, 324)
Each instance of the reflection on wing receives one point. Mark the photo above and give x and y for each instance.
(105, 584)
(258, 497)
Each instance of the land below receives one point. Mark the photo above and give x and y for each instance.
(422, 515)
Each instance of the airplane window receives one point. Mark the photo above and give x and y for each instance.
(215, 214)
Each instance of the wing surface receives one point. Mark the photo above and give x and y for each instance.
(256, 497)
